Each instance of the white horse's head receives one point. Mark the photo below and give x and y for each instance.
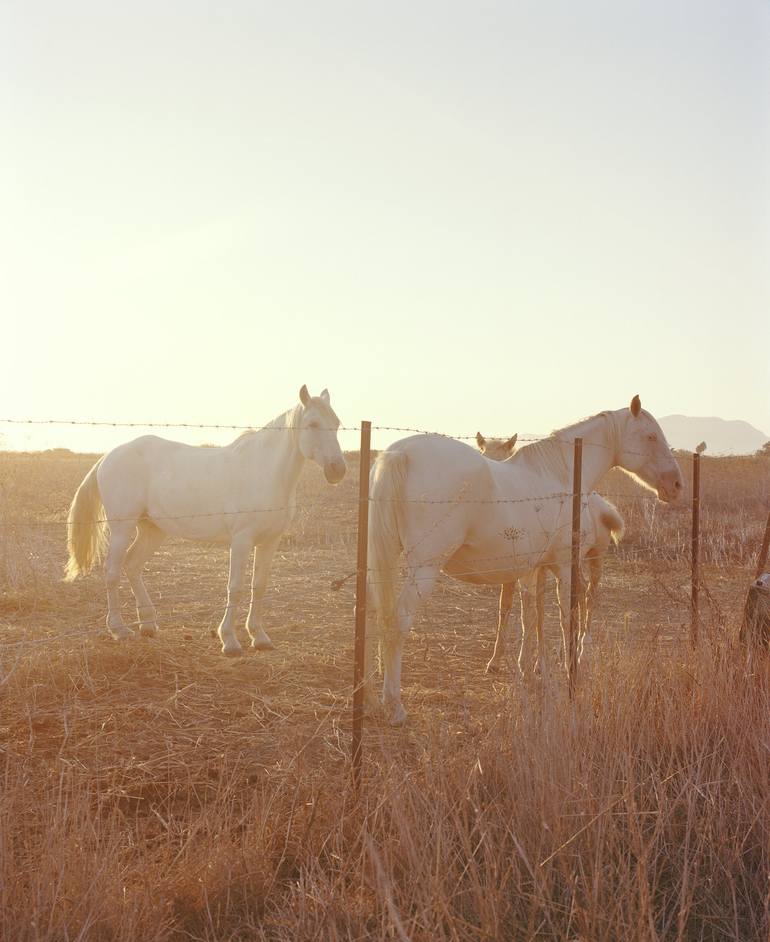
(318, 426)
(645, 453)
(498, 449)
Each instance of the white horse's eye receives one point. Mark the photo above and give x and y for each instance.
(313, 425)
(652, 437)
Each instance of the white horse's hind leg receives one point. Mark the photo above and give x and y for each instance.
(370, 667)
(147, 541)
(263, 558)
(121, 536)
(239, 554)
(418, 587)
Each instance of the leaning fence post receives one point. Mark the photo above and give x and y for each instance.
(695, 615)
(762, 560)
(755, 627)
(361, 567)
(574, 587)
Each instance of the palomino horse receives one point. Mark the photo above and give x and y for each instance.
(450, 509)
(606, 526)
(242, 494)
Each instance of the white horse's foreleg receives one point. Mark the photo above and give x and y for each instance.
(239, 554)
(506, 603)
(263, 558)
(121, 536)
(419, 585)
(528, 622)
(147, 541)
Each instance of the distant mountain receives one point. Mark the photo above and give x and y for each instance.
(722, 436)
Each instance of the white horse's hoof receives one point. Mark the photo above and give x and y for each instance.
(398, 717)
(148, 631)
(121, 634)
(232, 650)
(262, 644)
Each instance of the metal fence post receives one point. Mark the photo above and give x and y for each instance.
(361, 567)
(695, 553)
(574, 588)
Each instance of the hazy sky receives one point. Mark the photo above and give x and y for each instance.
(503, 215)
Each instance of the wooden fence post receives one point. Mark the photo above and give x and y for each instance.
(361, 568)
(574, 589)
(695, 553)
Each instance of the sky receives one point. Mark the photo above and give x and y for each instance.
(495, 215)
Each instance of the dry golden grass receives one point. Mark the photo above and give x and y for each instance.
(156, 791)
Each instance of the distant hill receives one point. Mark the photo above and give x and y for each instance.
(722, 436)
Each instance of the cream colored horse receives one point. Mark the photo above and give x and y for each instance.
(606, 526)
(447, 508)
(243, 494)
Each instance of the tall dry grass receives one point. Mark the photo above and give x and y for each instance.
(640, 811)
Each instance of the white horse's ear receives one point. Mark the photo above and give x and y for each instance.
(325, 395)
(636, 406)
(480, 441)
(510, 444)
(304, 396)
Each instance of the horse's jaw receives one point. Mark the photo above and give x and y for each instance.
(335, 472)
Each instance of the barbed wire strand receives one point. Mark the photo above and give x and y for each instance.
(98, 423)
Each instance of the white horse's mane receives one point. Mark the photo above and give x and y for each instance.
(291, 419)
(550, 455)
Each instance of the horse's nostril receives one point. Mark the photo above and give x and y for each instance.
(678, 485)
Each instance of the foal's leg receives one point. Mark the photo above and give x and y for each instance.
(263, 558)
(595, 566)
(148, 539)
(418, 586)
(239, 554)
(563, 576)
(506, 602)
(541, 662)
(121, 536)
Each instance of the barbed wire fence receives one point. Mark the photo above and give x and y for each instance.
(730, 529)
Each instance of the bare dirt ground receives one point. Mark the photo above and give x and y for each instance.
(151, 727)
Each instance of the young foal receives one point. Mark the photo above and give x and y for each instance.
(607, 527)
(243, 494)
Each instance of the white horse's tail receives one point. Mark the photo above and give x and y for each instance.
(610, 518)
(386, 493)
(87, 534)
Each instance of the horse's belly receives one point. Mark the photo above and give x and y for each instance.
(493, 562)
(483, 568)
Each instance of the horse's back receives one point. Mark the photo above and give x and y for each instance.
(440, 475)
(159, 478)
(440, 468)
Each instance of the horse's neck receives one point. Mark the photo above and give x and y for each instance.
(277, 444)
(599, 436)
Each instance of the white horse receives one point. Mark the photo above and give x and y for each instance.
(243, 494)
(605, 526)
(450, 509)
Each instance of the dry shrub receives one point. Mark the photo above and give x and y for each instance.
(638, 811)
(155, 792)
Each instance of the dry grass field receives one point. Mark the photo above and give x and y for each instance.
(156, 791)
